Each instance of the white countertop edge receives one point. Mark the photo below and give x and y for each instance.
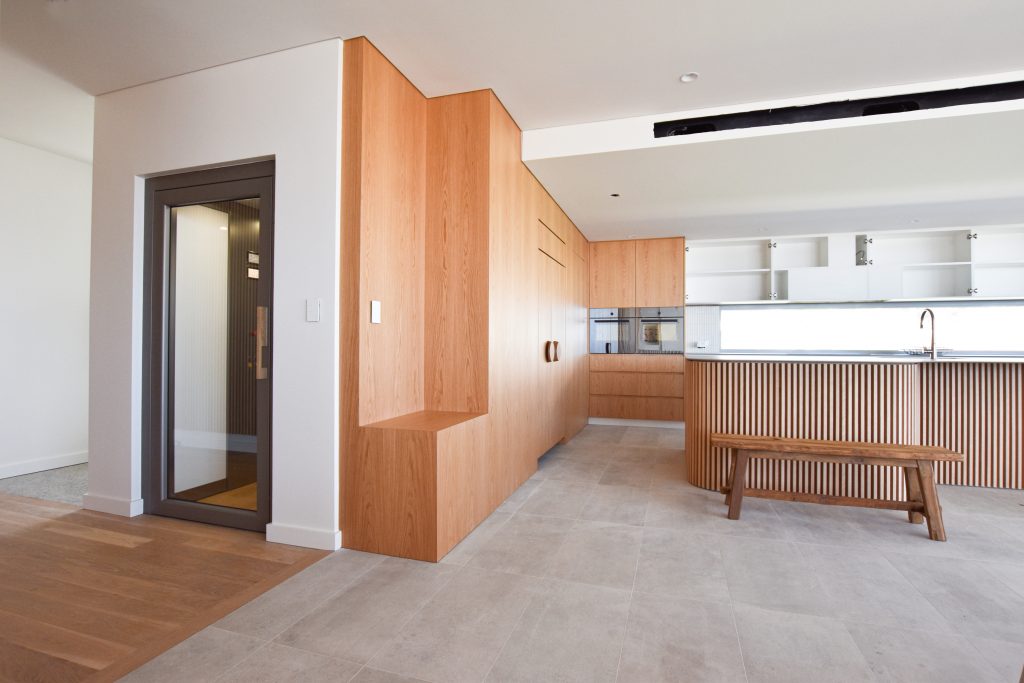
(783, 358)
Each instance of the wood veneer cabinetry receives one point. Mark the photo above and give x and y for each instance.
(439, 430)
(613, 274)
(660, 272)
(638, 273)
(637, 387)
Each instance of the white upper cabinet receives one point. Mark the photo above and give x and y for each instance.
(914, 264)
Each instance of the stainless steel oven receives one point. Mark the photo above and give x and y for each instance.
(660, 330)
(613, 330)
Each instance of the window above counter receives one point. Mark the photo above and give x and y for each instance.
(962, 329)
(983, 262)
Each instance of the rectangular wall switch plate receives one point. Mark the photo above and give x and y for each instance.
(375, 312)
(312, 310)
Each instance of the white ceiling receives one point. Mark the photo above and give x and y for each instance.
(900, 174)
(575, 61)
(551, 63)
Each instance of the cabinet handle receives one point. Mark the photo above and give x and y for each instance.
(261, 341)
(547, 352)
(556, 351)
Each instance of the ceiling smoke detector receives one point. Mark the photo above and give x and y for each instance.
(689, 77)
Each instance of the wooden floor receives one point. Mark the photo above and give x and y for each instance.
(90, 596)
(243, 497)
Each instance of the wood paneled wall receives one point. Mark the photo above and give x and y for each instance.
(458, 178)
(382, 257)
(477, 278)
(384, 193)
(843, 401)
(976, 409)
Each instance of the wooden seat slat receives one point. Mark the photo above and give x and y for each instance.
(834, 448)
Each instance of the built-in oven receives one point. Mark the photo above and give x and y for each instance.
(613, 330)
(660, 330)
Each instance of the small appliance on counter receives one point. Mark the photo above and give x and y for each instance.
(636, 330)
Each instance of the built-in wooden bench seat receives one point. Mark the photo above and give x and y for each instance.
(418, 484)
(916, 461)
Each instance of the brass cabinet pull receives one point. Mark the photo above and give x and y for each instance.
(548, 357)
(556, 351)
(261, 341)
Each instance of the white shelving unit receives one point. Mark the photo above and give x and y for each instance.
(944, 263)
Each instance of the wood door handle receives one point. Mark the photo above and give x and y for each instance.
(261, 341)
(548, 357)
(556, 351)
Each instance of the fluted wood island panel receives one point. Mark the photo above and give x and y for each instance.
(976, 409)
(973, 408)
(842, 401)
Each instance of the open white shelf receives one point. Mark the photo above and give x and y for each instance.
(948, 263)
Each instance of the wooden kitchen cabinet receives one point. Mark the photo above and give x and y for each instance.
(660, 272)
(637, 386)
(613, 274)
(638, 273)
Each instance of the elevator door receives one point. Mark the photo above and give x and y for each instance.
(210, 282)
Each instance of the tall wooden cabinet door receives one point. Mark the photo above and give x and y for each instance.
(551, 392)
(660, 272)
(613, 274)
(578, 406)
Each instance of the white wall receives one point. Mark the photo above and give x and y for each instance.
(44, 309)
(285, 105)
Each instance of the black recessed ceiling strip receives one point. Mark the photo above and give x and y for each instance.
(871, 106)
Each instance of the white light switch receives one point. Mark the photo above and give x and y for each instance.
(375, 312)
(312, 310)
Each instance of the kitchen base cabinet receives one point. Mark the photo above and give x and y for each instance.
(637, 386)
(637, 407)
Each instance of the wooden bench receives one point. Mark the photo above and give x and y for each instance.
(922, 497)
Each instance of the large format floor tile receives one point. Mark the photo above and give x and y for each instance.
(673, 639)
(356, 623)
(573, 633)
(608, 565)
(792, 648)
(458, 635)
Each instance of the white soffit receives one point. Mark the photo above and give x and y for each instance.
(958, 165)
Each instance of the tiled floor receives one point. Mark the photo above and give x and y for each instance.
(64, 484)
(607, 566)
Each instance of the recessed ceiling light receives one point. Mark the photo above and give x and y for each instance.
(614, 194)
(689, 77)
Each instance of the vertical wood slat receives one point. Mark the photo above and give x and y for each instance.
(974, 408)
(842, 401)
(978, 410)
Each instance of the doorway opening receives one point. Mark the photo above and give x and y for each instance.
(208, 345)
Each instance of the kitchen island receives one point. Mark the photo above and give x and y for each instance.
(973, 405)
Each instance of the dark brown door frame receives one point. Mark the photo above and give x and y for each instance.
(162, 194)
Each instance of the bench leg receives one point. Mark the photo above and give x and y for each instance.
(732, 474)
(913, 493)
(739, 479)
(932, 510)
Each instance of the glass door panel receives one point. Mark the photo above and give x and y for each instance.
(213, 353)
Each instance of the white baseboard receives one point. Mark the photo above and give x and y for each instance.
(113, 506)
(16, 469)
(306, 537)
(618, 422)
